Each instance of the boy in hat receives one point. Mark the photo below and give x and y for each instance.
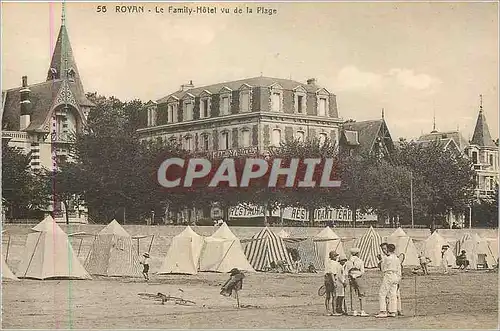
(391, 267)
(332, 269)
(444, 259)
(145, 263)
(341, 285)
(356, 269)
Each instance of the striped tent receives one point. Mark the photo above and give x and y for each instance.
(325, 242)
(404, 244)
(369, 246)
(7, 274)
(266, 247)
(305, 248)
(112, 253)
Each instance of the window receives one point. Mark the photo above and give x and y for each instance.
(224, 105)
(188, 143)
(474, 157)
(276, 137)
(204, 108)
(205, 142)
(245, 101)
(188, 111)
(276, 101)
(171, 118)
(300, 106)
(300, 136)
(151, 117)
(322, 139)
(322, 107)
(245, 138)
(225, 140)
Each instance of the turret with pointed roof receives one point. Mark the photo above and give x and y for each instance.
(482, 136)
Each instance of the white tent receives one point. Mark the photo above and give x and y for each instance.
(477, 249)
(184, 253)
(222, 252)
(113, 254)
(432, 249)
(7, 274)
(404, 244)
(325, 242)
(48, 254)
(283, 234)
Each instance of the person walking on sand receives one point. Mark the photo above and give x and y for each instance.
(444, 259)
(356, 269)
(391, 267)
(341, 285)
(145, 263)
(331, 270)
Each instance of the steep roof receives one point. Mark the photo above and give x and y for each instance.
(63, 52)
(368, 131)
(444, 143)
(286, 84)
(457, 137)
(482, 136)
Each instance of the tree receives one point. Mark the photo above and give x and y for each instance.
(23, 191)
(443, 179)
(66, 185)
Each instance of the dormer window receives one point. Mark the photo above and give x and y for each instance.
(322, 103)
(225, 101)
(188, 109)
(71, 74)
(53, 73)
(151, 116)
(300, 100)
(172, 113)
(205, 107)
(276, 98)
(245, 101)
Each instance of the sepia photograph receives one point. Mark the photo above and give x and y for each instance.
(250, 165)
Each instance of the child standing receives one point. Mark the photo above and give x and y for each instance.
(341, 285)
(444, 259)
(356, 269)
(331, 270)
(145, 263)
(424, 260)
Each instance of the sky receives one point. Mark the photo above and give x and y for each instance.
(415, 60)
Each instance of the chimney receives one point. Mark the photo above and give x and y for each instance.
(25, 105)
(185, 87)
(311, 81)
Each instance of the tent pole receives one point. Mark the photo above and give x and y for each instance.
(151, 244)
(225, 254)
(32, 255)
(79, 246)
(7, 253)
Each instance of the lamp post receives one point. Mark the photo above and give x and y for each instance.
(411, 199)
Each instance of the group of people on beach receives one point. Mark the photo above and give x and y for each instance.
(342, 272)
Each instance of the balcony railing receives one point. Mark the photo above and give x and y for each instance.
(14, 135)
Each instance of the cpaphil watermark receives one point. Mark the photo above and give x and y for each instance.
(249, 172)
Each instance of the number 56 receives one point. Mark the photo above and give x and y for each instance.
(101, 9)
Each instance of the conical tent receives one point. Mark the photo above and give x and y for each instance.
(283, 234)
(48, 254)
(369, 246)
(222, 252)
(113, 254)
(7, 274)
(432, 249)
(404, 244)
(184, 253)
(266, 248)
(477, 250)
(325, 242)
